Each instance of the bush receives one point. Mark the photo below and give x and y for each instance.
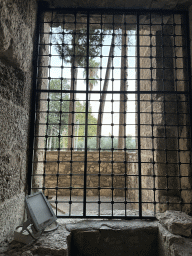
(106, 143)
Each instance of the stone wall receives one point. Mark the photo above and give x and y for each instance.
(143, 4)
(76, 167)
(41, 106)
(156, 143)
(170, 236)
(17, 26)
(164, 119)
(146, 130)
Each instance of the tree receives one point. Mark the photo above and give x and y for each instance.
(122, 39)
(93, 69)
(58, 108)
(123, 88)
(80, 119)
(105, 86)
(72, 48)
(58, 113)
(106, 143)
(130, 143)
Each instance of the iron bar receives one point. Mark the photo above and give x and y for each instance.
(33, 101)
(138, 118)
(132, 164)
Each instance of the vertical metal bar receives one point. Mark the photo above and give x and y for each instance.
(112, 156)
(152, 121)
(186, 17)
(47, 118)
(86, 121)
(62, 83)
(55, 141)
(73, 76)
(163, 88)
(177, 108)
(125, 109)
(138, 113)
(59, 136)
(98, 148)
(139, 93)
(33, 99)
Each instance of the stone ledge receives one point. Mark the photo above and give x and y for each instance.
(178, 223)
(173, 245)
(60, 241)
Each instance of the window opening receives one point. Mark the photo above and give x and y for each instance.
(112, 134)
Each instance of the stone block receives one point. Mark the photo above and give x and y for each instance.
(11, 215)
(17, 24)
(51, 167)
(27, 253)
(178, 223)
(169, 203)
(109, 240)
(166, 240)
(12, 83)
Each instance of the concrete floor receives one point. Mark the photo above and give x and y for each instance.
(92, 206)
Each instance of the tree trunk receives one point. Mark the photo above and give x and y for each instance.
(72, 103)
(50, 140)
(123, 87)
(105, 86)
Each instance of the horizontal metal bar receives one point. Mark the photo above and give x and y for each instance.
(115, 92)
(44, 124)
(152, 218)
(116, 10)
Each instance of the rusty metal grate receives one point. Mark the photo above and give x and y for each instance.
(112, 132)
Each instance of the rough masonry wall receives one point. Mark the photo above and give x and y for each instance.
(145, 4)
(17, 26)
(146, 107)
(184, 168)
(41, 98)
(165, 147)
(64, 168)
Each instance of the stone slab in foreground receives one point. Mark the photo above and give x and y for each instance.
(178, 223)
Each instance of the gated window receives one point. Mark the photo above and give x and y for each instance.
(112, 134)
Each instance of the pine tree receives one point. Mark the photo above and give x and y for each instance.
(72, 48)
(58, 108)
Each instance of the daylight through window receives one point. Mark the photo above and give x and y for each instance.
(112, 134)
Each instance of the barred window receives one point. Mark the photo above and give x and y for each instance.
(112, 131)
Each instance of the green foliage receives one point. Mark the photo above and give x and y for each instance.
(73, 45)
(93, 70)
(107, 143)
(58, 115)
(80, 118)
(58, 106)
(79, 128)
(130, 143)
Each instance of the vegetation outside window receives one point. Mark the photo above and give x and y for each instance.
(112, 120)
